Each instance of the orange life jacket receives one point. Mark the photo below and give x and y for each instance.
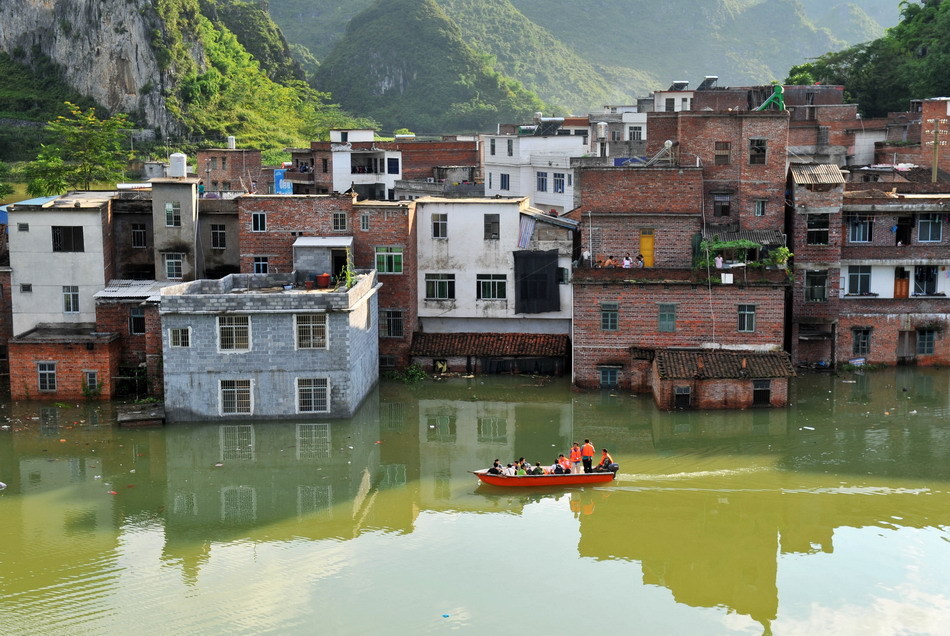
(575, 454)
(587, 450)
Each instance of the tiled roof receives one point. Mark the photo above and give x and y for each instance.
(822, 173)
(489, 344)
(762, 237)
(674, 363)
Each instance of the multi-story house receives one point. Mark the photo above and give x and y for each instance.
(229, 172)
(492, 272)
(262, 346)
(694, 336)
(536, 165)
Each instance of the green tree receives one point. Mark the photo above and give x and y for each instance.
(87, 150)
(5, 188)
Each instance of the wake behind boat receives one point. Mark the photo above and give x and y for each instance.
(567, 479)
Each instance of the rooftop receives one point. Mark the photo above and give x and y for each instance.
(72, 332)
(489, 344)
(702, 364)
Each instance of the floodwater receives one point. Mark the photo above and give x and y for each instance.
(829, 517)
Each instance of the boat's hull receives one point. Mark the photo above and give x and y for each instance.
(544, 480)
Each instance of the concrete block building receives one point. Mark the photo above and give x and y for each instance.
(246, 347)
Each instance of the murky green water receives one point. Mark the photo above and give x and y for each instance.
(830, 517)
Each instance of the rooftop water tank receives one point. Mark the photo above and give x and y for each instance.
(601, 130)
(232, 143)
(178, 165)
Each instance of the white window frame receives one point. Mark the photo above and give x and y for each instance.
(46, 369)
(219, 236)
(559, 181)
(542, 182)
(934, 226)
(364, 222)
(504, 183)
(759, 207)
(173, 214)
(261, 264)
(339, 221)
(249, 336)
(314, 397)
(258, 221)
(441, 281)
(173, 257)
(311, 327)
(440, 226)
(491, 287)
(388, 253)
(250, 392)
(70, 299)
(174, 337)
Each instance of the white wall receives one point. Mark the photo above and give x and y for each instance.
(33, 261)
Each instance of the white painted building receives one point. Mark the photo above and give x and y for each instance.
(676, 98)
(57, 258)
(537, 167)
(492, 266)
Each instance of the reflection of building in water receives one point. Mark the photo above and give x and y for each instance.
(719, 547)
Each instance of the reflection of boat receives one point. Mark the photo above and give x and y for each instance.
(544, 480)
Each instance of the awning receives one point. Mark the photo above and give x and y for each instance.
(324, 241)
(762, 237)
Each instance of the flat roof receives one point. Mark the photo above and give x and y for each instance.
(324, 241)
(508, 200)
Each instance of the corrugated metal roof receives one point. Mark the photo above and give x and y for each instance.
(121, 288)
(489, 344)
(324, 241)
(699, 364)
(762, 237)
(816, 173)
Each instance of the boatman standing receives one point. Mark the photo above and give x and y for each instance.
(587, 454)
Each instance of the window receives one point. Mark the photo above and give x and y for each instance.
(219, 237)
(511, 148)
(609, 316)
(224, 163)
(364, 222)
(313, 395)
(67, 238)
(179, 337)
(344, 137)
(389, 260)
(260, 264)
(213, 163)
(258, 221)
(489, 181)
(928, 228)
(325, 164)
(823, 134)
(47, 375)
(816, 287)
(440, 225)
(492, 223)
(90, 379)
(311, 331)
(746, 318)
(173, 264)
(504, 182)
(609, 377)
(636, 133)
(492, 430)
(757, 151)
(139, 236)
(723, 151)
(859, 279)
(234, 333)
(925, 341)
(172, 214)
(614, 135)
(670, 104)
(440, 286)
(137, 320)
(491, 286)
(860, 341)
(859, 229)
(542, 182)
(22, 227)
(558, 182)
(760, 207)
(722, 205)
(236, 397)
(71, 299)
(682, 397)
(390, 323)
(925, 280)
(761, 392)
(817, 232)
(392, 165)
(26, 288)
(667, 317)
(339, 221)
(491, 146)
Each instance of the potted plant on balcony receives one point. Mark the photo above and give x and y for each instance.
(778, 258)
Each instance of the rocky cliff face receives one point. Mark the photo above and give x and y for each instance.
(102, 46)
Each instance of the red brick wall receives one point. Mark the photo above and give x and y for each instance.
(606, 235)
(6, 318)
(392, 226)
(153, 350)
(639, 190)
(420, 157)
(113, 317)
(717, 394)
(886, 153)
(242, 169)
(287, 215)
(71, 360)
(935, 109)
(639, 317)
(886, 326)
(108, 242)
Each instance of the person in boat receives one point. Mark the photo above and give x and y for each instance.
(537, 470)
(575, 456)
(495, 468)
(587, 455)
(520, 470)
(605, 461)
(508, 471)
(561, 465)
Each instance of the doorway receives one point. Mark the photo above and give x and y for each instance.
(646, 246)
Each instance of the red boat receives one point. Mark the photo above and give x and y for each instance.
(544, 480)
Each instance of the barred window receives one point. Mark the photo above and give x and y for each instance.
(313, 395)
(311, 331)
(236, 397)
(234, 333)
(390, 323)
(180, 337)
(67, 238)
(172, 214)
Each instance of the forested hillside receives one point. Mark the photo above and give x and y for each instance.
(910, 62)
(406, 64)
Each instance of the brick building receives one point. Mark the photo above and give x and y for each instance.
(226, 172)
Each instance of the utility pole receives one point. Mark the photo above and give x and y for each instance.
(936, 143)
